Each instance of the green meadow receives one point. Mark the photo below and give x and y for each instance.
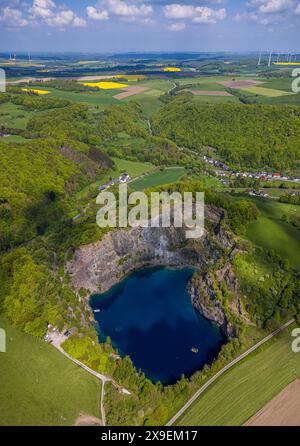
(269, 92)
(166, 176)
(39, 386)
(271, 231)
(134, 168)
(102, 98)
(14, 116)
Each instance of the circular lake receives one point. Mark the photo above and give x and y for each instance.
(149, 317)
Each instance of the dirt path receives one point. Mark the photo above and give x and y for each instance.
(102, 405)
(224, 369)
(57, 339)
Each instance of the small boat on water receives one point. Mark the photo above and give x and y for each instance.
(194, 350)
(97, 310)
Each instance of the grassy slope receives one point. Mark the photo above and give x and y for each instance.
(244, 390)
(134, 168)
(215, 99)
(102, 98)
(271, 232)
(269, 92)
(284, 84)
(39, 386)
(158, 178)
(12, 115)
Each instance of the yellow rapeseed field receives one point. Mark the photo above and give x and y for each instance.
(172, 69)
(287, 63)
(34, 90)
(105, 85)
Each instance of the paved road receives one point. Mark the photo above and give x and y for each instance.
(227, 367)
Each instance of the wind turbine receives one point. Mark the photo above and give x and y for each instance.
(259, 60)
(270, 59)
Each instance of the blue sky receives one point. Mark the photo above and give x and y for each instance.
(149, 25)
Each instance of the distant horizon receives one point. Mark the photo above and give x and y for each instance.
(5, 53)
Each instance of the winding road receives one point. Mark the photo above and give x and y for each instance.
(224, 369)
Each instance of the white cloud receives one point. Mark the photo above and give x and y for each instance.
(78, 22)
(199, 14)
(121, 8)
(271, 6)
(129, 12)
(42, 8)
(268, 12)
(12, 17)
(262, 19)
(48, 12)
(298, 9)
(61, 18)
(177, 26)
(96, 15)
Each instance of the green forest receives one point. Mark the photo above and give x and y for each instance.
(249, 136)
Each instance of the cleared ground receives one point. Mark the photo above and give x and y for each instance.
(240, 83)
(130, 91)
(283, 410)
(39, 386)
(249, 386)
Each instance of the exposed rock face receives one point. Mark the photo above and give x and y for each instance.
(100, 265)
(204, 299)
(227, 276)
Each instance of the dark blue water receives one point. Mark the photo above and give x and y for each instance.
(149, 316)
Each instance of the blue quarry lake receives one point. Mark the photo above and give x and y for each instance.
(149, 317)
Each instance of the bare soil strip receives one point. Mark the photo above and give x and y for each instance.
(240, 84)
(87, 420)
(283, 410)
(131, 91)
(210, 93)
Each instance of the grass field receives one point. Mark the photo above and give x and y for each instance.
(39, 386)
(14, 116)
(214, 99)
(14, 138)
(134, 168)
(283, 84)
(271, 232)
(166, 176)
(245, 389)
(103, 98)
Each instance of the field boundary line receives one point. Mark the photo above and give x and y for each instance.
(224, 369)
